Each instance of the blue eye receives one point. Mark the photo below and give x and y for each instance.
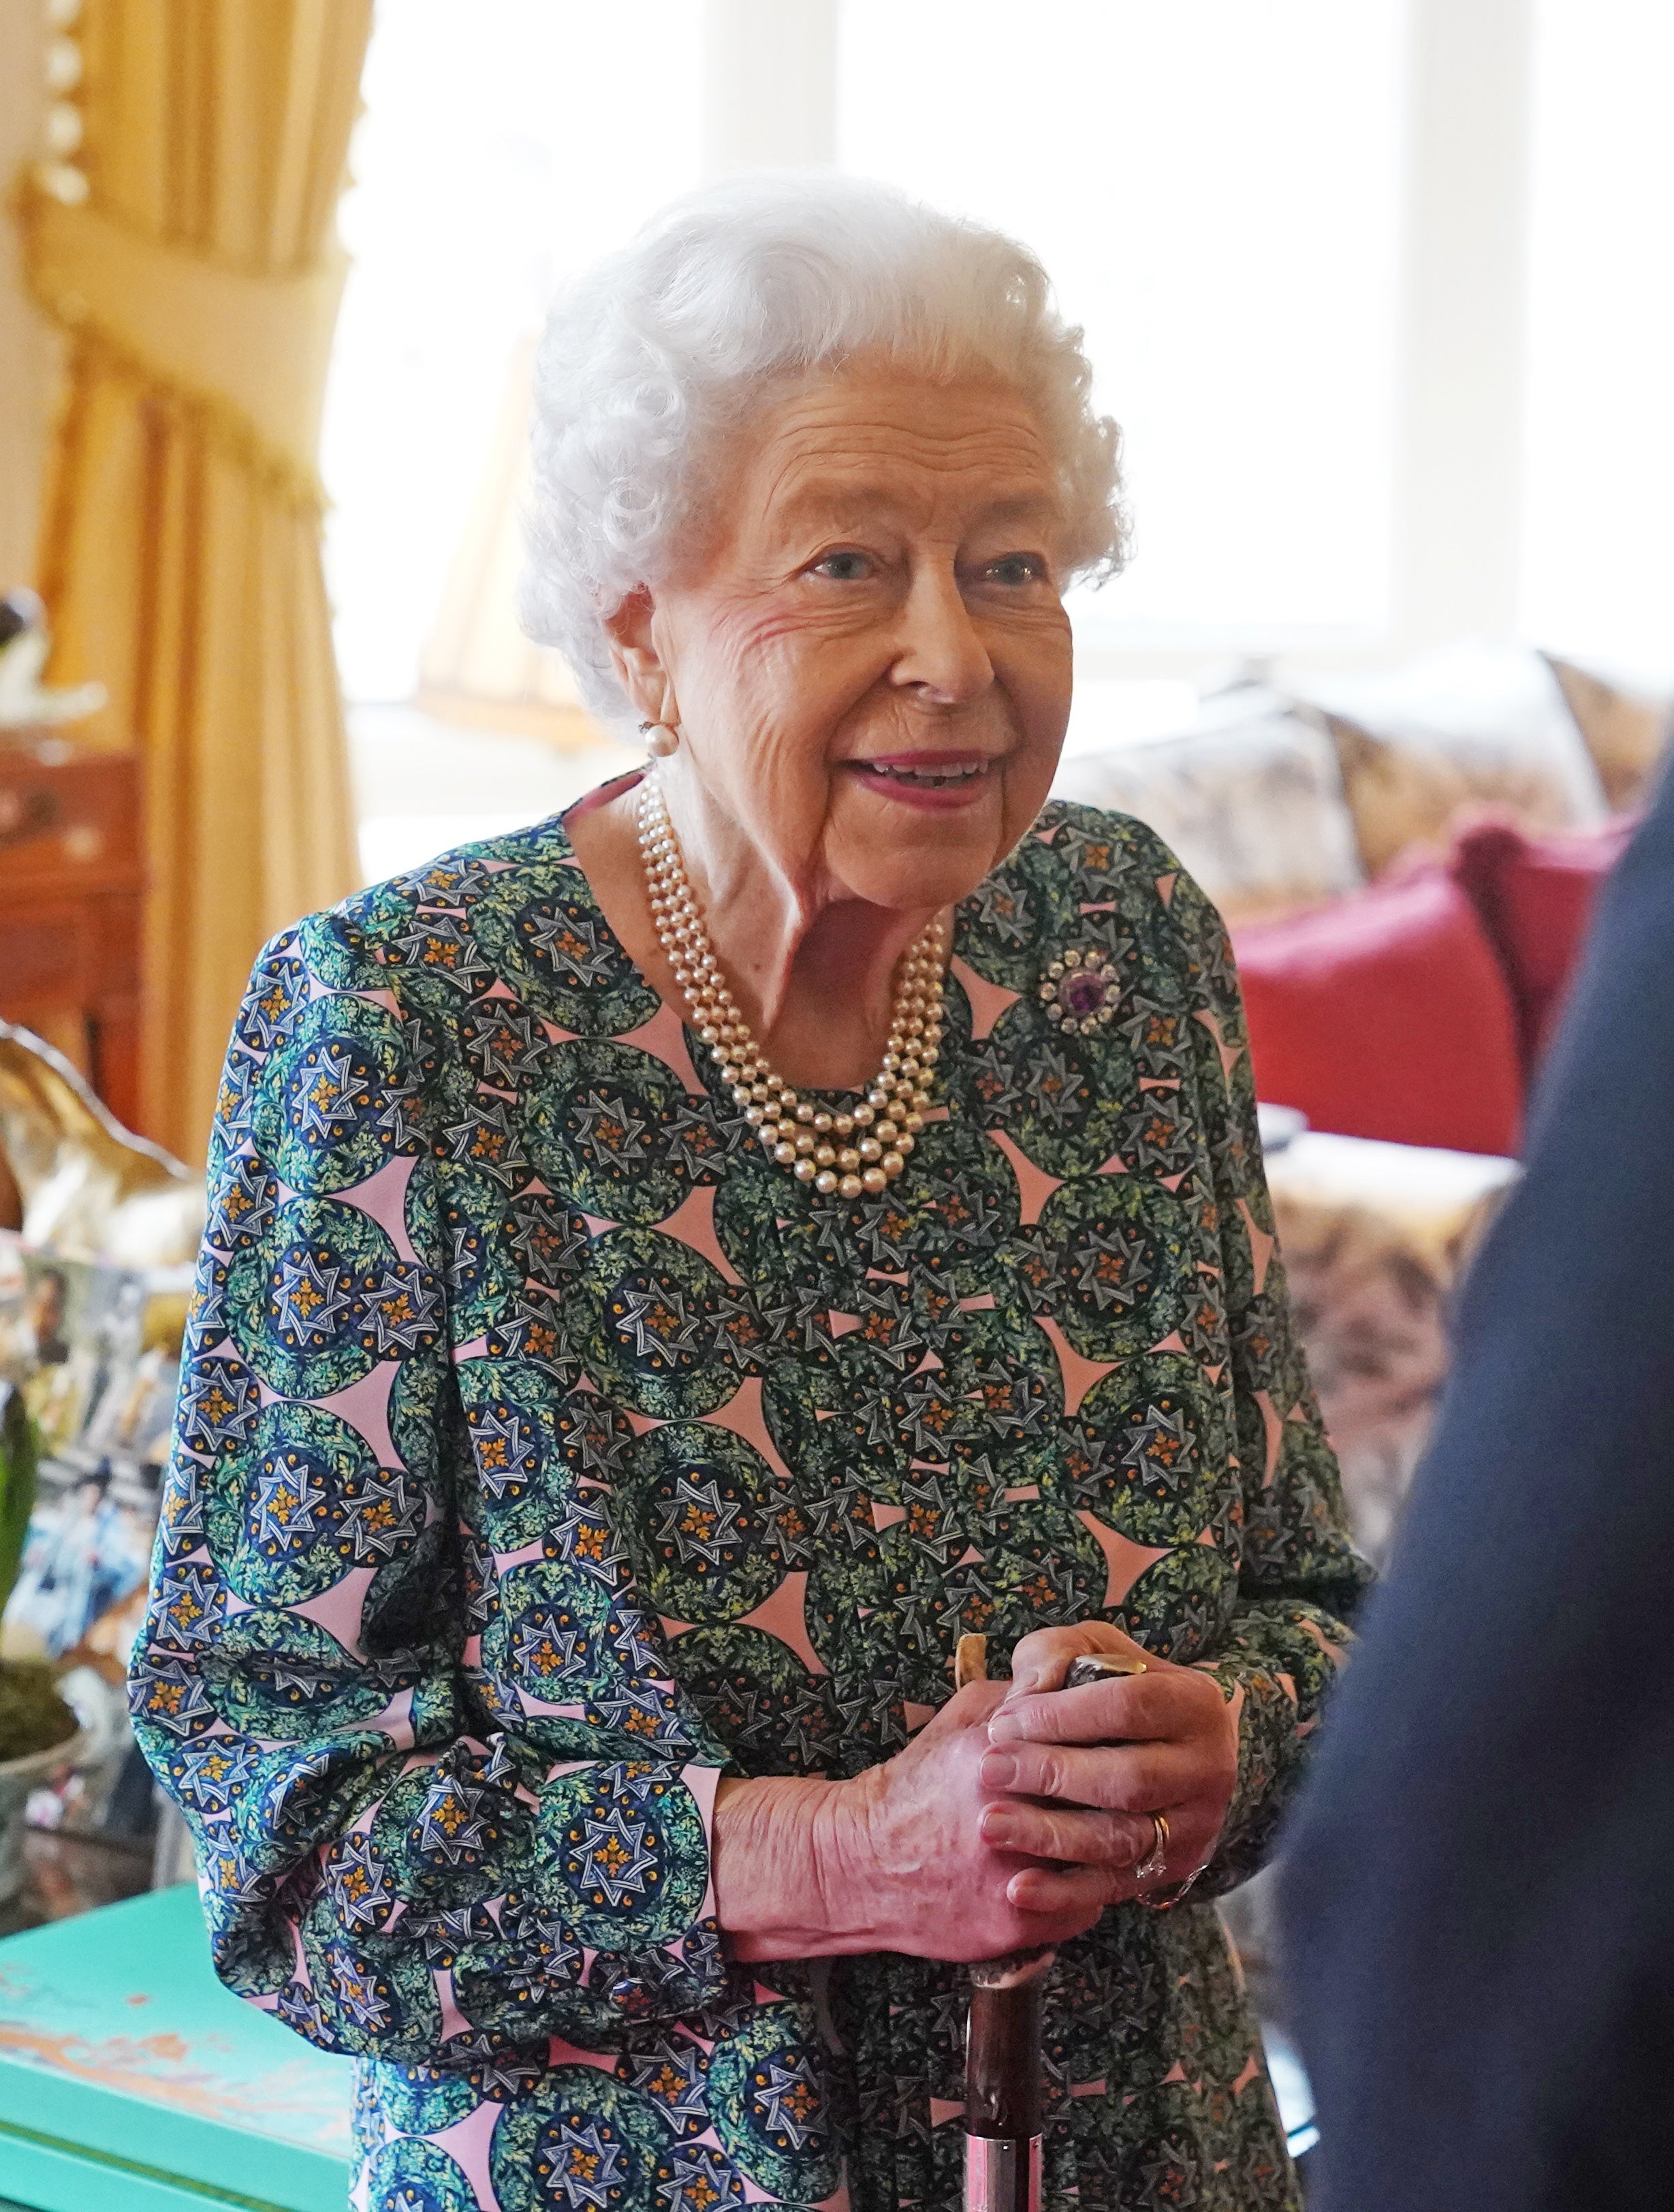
(842, 568)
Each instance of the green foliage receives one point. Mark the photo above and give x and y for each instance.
(19, 1456)
(32, 1715)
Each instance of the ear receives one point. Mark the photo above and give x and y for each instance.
(634, 657)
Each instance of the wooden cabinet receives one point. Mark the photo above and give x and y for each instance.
(71, 882)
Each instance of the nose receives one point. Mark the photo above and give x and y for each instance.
(940, 653)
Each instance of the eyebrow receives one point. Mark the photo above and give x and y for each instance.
(818, 495)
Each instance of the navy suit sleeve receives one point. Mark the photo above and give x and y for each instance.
(1479, 1888)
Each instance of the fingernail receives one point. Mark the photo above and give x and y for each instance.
(1004, 1727)
(1000, 1770)
(997, 1826)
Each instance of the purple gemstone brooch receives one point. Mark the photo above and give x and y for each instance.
(1080, 992)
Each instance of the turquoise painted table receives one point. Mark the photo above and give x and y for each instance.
(132, 2082)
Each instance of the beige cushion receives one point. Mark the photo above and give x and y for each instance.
(1248, 796)
(1626, 726)
(1469, 725)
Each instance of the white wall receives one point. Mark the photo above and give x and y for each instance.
(27, 349)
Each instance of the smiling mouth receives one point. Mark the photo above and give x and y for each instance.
(926, 779)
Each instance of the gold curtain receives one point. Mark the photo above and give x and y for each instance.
(180, 557)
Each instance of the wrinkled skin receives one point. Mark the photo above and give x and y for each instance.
(879, 579)
(1165, 1740)
(882, 582)
(894, 1860)
(1013, 1817)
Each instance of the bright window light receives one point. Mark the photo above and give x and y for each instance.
(504, 146)
(1599, 552)
(1214, 188)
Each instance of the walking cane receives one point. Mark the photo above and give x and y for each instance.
(1004, 2115)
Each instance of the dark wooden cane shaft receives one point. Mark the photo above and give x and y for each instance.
(1002, 2088)
(1003, 2080)
(1002, 2062)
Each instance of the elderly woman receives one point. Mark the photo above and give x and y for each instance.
(673, 1270)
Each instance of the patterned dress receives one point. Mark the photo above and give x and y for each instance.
(544, 1452)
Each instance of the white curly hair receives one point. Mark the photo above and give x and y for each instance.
(660, 349)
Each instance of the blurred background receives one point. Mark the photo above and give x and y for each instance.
(1382, 292)
(1378, 292)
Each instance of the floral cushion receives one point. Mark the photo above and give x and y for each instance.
(1249, 796)
(1469, 723)
(1626, 726)
(1375, 1238)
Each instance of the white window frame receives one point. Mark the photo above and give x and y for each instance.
(770, 93)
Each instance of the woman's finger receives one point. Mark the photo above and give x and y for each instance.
(1128, 1708)
(1116, 1840)
(1115, 1778)
(1051, 1831)
(1075, 1891)
(1040, 1660)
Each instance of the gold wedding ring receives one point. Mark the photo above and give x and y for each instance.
(1151, 1867)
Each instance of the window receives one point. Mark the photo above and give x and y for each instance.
(1380, 294)
(1214, 189)
(504, 145)
(1598, 549)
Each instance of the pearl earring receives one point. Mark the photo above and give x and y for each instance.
(661, 739)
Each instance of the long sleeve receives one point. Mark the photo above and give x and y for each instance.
(1300, 1579)
(395, 1670)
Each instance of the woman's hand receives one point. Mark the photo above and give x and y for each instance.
(1104, 1758)
(896, 1860)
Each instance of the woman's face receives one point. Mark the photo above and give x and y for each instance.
(868, 656)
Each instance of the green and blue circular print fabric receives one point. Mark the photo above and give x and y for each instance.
(766, 2092)
(627, 1844)
(411, 2175)
(544, 1452)
(703, 1509)
(588, 2144)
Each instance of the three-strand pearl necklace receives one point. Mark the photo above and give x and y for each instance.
(852, 1154)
